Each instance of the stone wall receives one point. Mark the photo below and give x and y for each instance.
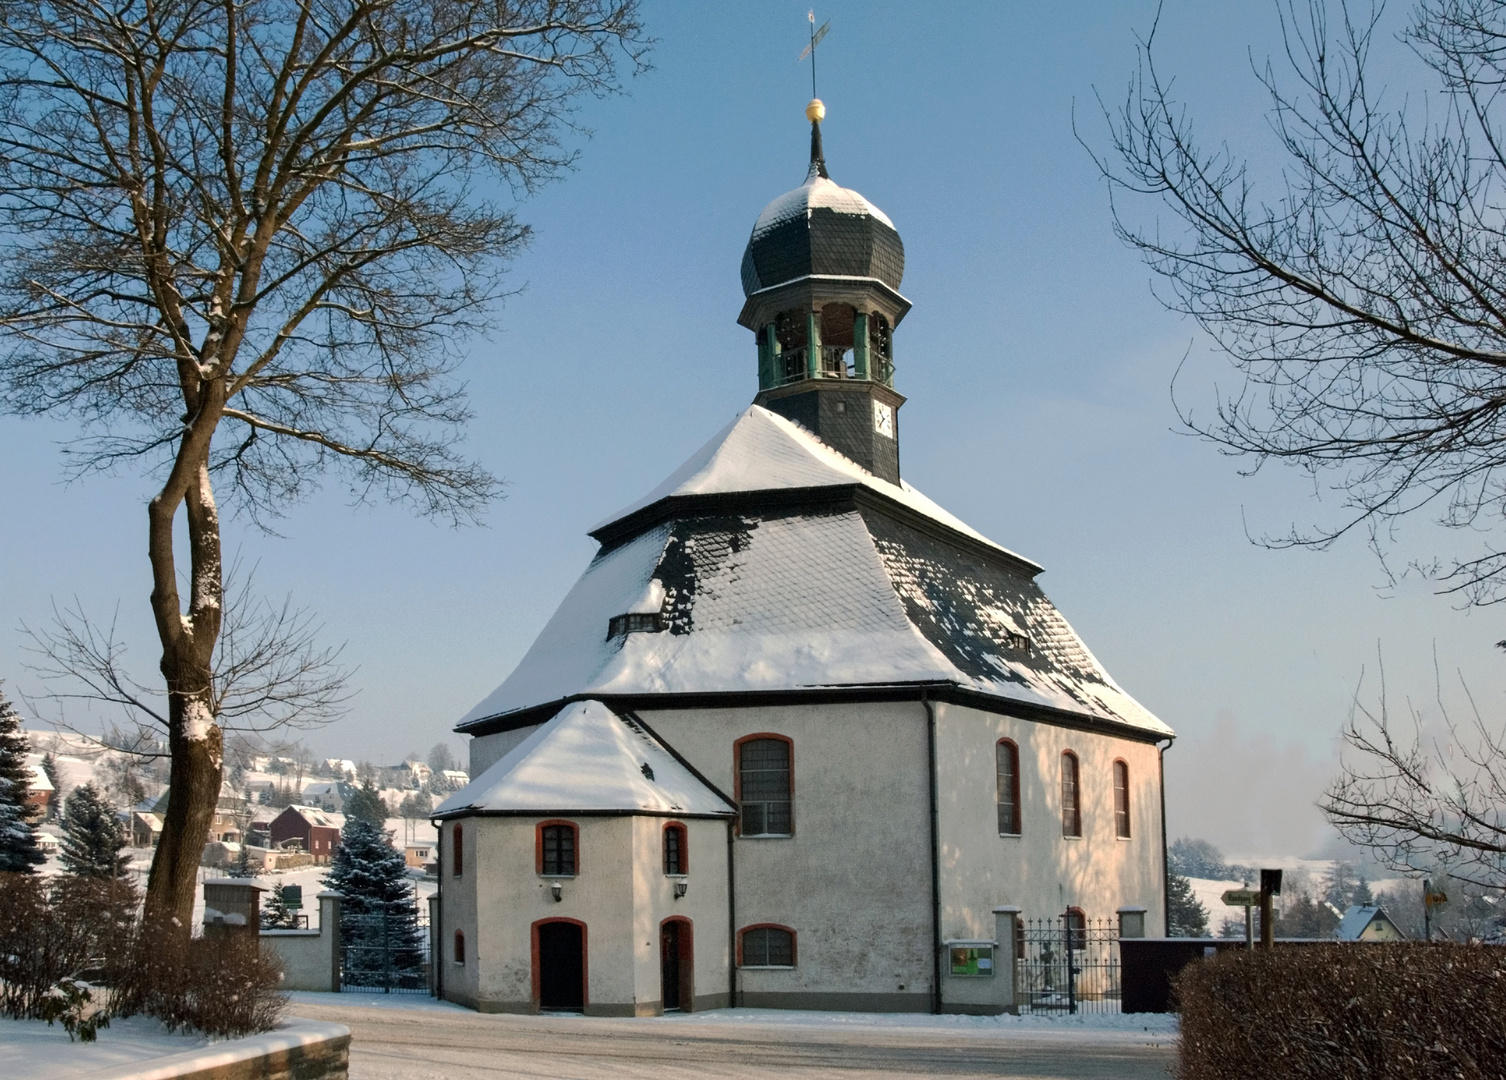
(299, 1050)
(310, 958)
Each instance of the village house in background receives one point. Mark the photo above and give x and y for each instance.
(798, 737)
(1368, 922)
(315, 831)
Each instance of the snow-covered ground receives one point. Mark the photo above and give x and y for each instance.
(31, 1050)
(1157, 1026)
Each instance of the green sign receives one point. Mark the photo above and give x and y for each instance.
(976, 960)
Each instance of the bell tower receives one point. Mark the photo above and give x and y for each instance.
(821, 275)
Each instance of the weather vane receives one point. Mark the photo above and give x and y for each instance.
(810, 50)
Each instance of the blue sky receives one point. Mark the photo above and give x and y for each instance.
(1036, 361)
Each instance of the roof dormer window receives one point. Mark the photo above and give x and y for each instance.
(634, 622)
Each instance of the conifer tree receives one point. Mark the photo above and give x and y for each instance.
(1185, 915)
(275, 913)
(50, 768)
(19, 852)
(366, 804)
(93, 837)
(378, 912)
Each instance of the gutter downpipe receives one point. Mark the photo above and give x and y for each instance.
(1165, 860)
(436, 931)
(731, 917)
(930, 708)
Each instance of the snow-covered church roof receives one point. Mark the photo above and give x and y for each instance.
(860, 584)
(588, 758)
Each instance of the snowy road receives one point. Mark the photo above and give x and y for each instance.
(404, 1040)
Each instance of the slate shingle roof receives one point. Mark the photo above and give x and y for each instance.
(821, 228)
(864, 584)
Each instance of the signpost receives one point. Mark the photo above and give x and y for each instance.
(1245, 898)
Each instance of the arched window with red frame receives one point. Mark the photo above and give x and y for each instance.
(459, 946)
(557, 849)
(1071, 795)
(676, 849)
(1121, 800)
(457, 850)
(766, 945)
(1007, 765)
(765, 785)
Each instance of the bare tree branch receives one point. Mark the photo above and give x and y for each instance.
(1362, 299)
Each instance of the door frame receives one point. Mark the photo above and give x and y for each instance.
(686, 962)
(585, 961)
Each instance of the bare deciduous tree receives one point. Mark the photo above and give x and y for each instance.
(1424, 804)
(244, 239)
(1363, 302)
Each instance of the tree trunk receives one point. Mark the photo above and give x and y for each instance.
(192, 798)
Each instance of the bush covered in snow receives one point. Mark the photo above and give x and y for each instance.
(74, 949)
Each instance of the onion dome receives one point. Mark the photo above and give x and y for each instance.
(821, 228)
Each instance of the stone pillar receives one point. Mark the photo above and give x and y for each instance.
(1006, 957)
(232, 904)
(1132, 922)
(329, 933)
(813, 345)
(860, 345)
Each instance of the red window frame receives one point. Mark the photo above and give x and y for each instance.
(683, 835)
(1121, 799)
(1071, 795)
(737, 779)
(459, 954)
(457, 850)
(794, 942)
(1012, 797)
(538, 846)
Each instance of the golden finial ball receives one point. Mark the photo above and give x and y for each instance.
(815, 112)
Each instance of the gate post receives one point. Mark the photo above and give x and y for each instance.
(1006, 955)
(329, 931)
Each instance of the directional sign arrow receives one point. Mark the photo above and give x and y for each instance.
(1242, 897)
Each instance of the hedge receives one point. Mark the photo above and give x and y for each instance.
(1345, 1012)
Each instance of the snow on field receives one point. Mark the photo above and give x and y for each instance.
(30, 1049)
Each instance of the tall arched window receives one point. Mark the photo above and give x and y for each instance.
(1077, 928)
(765, 785)
(1071, 796)
(1007, 756)
(1121, 800)
(556, 849)
(457, 851)
(676, 854)
(459, 946)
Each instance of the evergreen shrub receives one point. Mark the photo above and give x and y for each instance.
(1345, 1012)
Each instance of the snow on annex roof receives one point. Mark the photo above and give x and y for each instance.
(586, 757)
(836, 596)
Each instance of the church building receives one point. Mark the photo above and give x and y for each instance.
(798, 737)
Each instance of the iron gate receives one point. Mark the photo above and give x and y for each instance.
(1067, 964)
(385, 951)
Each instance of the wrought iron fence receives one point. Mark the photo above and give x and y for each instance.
(385, 950)
(1067, 964)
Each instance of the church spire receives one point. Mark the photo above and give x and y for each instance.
(815, 112)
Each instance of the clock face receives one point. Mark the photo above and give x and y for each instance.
(883, 419)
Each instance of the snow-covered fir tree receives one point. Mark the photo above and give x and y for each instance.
(366, 804)
(93, 837)
(1185, 915)
(19, 852)
(276, 914)
(378, 912)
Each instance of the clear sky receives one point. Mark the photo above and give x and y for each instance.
(1036, 362)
